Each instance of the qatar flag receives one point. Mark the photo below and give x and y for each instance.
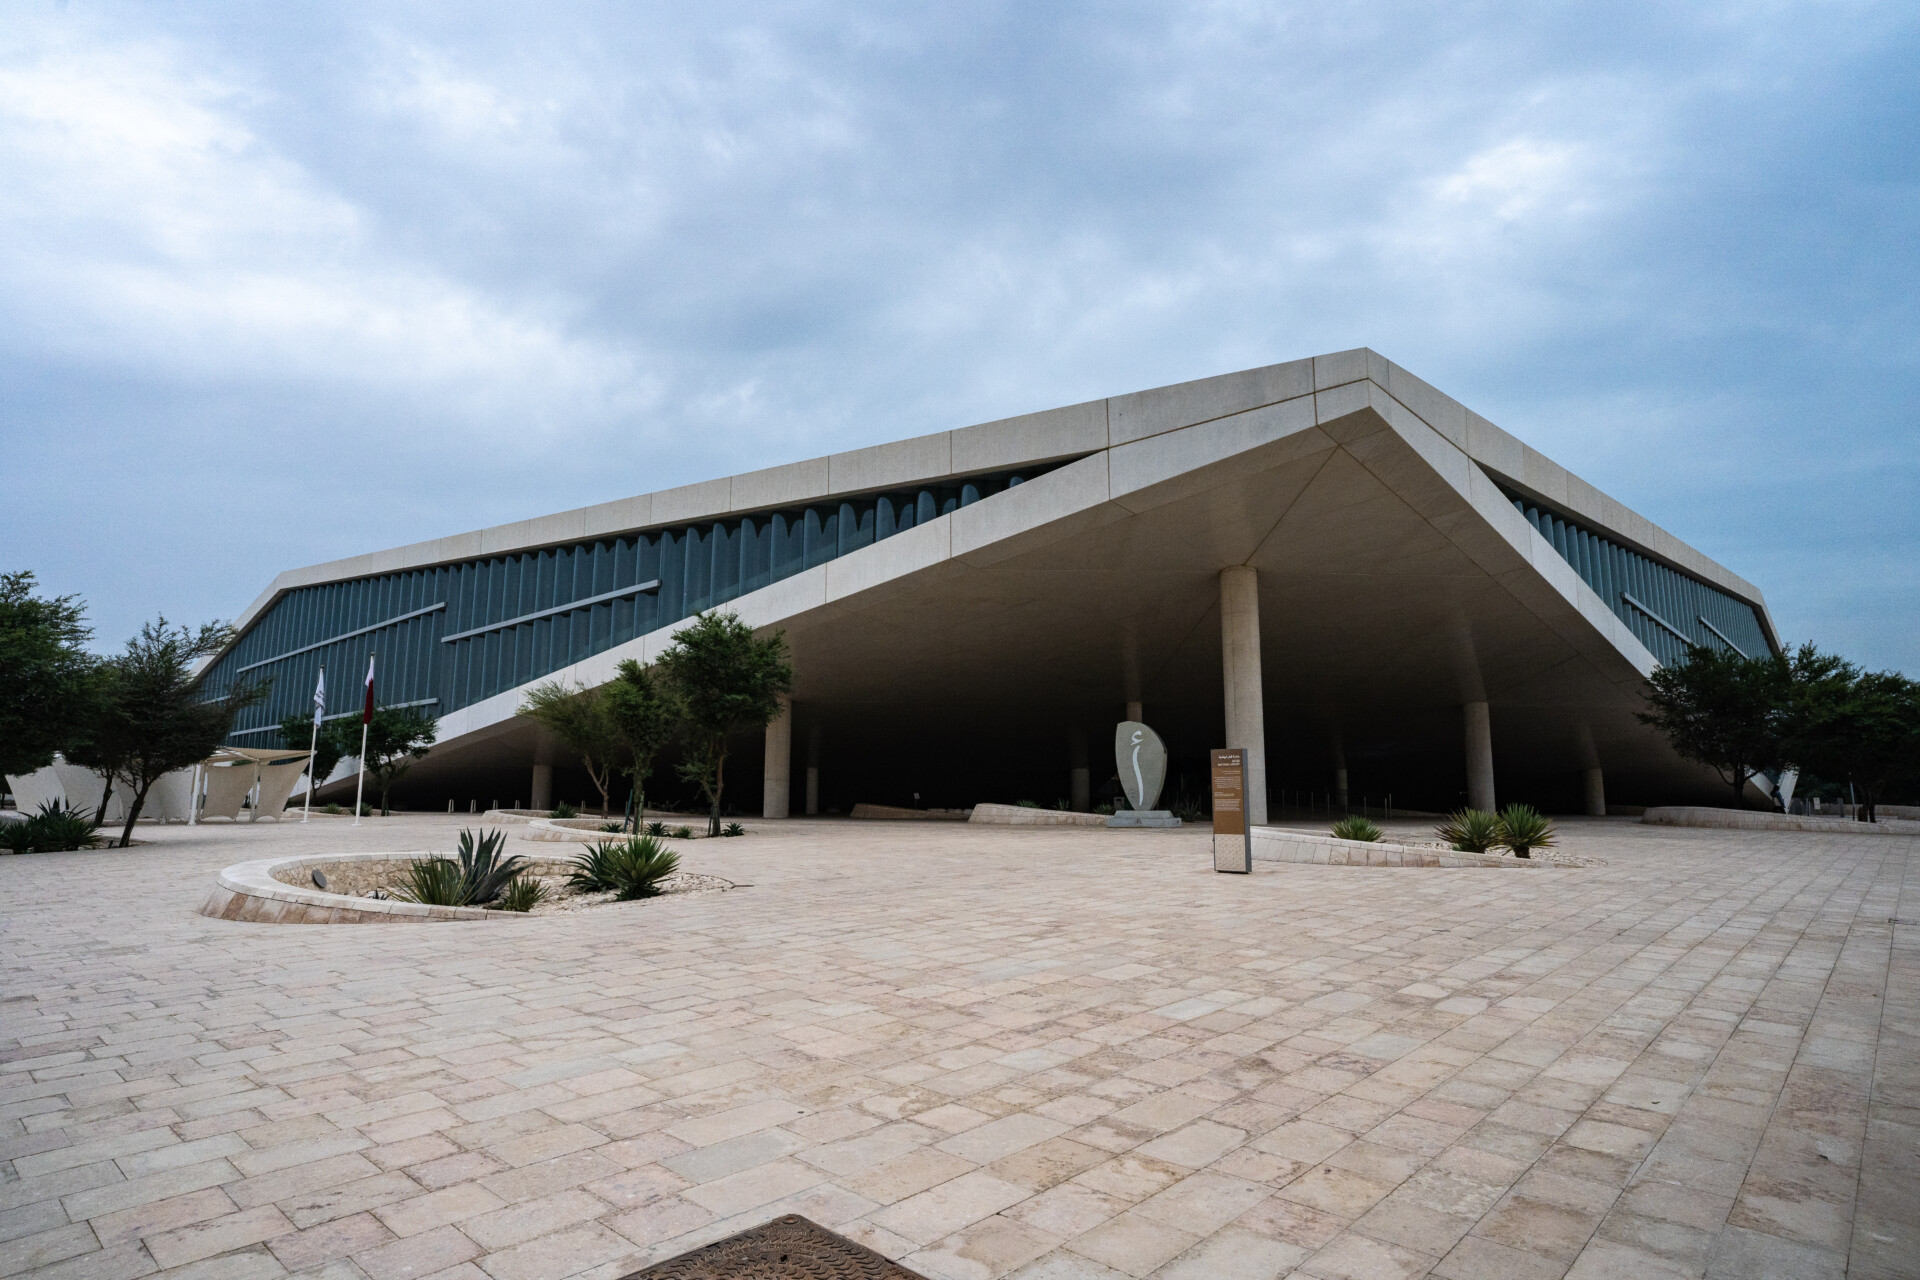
(366, 717)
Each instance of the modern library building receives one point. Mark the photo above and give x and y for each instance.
(1370, 588)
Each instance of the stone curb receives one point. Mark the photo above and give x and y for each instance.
(1014, 815)
(248, 891)
(1744, 820)
(1271, 844)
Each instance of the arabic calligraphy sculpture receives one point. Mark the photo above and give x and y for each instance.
(1142, 762)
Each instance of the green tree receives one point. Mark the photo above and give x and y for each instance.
(396, 737)
(296, 732)
(1723, 711)
(644, 714)
(729, 682)
(48, 680)
(1863, 726)
(151, 718)
(578, 717)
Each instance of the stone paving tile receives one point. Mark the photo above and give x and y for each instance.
(1043, 1054)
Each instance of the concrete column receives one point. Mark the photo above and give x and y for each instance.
(813, 770)
(1596, 792)
(1479, 727)
(1137, 712)
(1245, 700)
(1082, 777)
(1339, 769)
(776, 779)
(542, 786)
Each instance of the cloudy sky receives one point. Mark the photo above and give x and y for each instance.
(285, 283)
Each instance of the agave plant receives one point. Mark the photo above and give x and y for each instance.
(564, 810)
(432, 882)
(683, 833)
(484, 872)
(1524, 828)
(1355, 827)
(630, 868)
(523, 893)
(54, 828)
(658, 830)
(733, 829)
(478, 877)
(1470, 830)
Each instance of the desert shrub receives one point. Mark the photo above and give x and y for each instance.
(1470, 830)
(658, 830)
(1524, 828)
(1355, 827)
(733, 829)
(614, 828)
(332, 808)
(1104, 810)
(630, 868)
(1025, 804)
(683, 833)
(564, 810)
(523, 893)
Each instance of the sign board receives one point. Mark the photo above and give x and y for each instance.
(1232, 839)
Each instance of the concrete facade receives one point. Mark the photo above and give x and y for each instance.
(1323, 546)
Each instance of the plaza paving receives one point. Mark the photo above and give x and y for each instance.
(984, 1052)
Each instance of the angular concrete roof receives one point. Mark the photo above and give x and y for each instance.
(1327, 386)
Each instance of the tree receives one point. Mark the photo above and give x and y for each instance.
(1862, 726)
(396, 737)
(1723, 711)
(151, 718)
(729, 682)
(296, 731)
(48, 681)
(578, 717)
(643, 714)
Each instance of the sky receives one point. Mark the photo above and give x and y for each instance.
(280, 284)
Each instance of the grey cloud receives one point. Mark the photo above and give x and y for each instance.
(354, 276)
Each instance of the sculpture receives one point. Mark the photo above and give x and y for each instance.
(1141, 759)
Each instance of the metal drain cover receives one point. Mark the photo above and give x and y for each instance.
(788, 1248)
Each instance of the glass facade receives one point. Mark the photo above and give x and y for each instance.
(454, 634)
(1665, 609)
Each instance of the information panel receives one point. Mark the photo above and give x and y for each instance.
(1232, 841)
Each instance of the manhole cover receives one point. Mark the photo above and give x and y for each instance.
(788, 1248)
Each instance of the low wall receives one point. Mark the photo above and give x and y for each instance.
(1753, 820)
(891, 813)
(1271, 844)
(279, 891)
(583, 830)
(1017, 815)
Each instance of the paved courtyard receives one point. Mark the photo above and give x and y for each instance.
(983, 1052)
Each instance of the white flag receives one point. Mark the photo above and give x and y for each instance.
(320, 698)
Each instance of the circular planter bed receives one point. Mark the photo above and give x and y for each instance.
(283, 891)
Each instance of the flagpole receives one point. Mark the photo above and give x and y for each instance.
(313, 746)
(366, 722)
(360, 789)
